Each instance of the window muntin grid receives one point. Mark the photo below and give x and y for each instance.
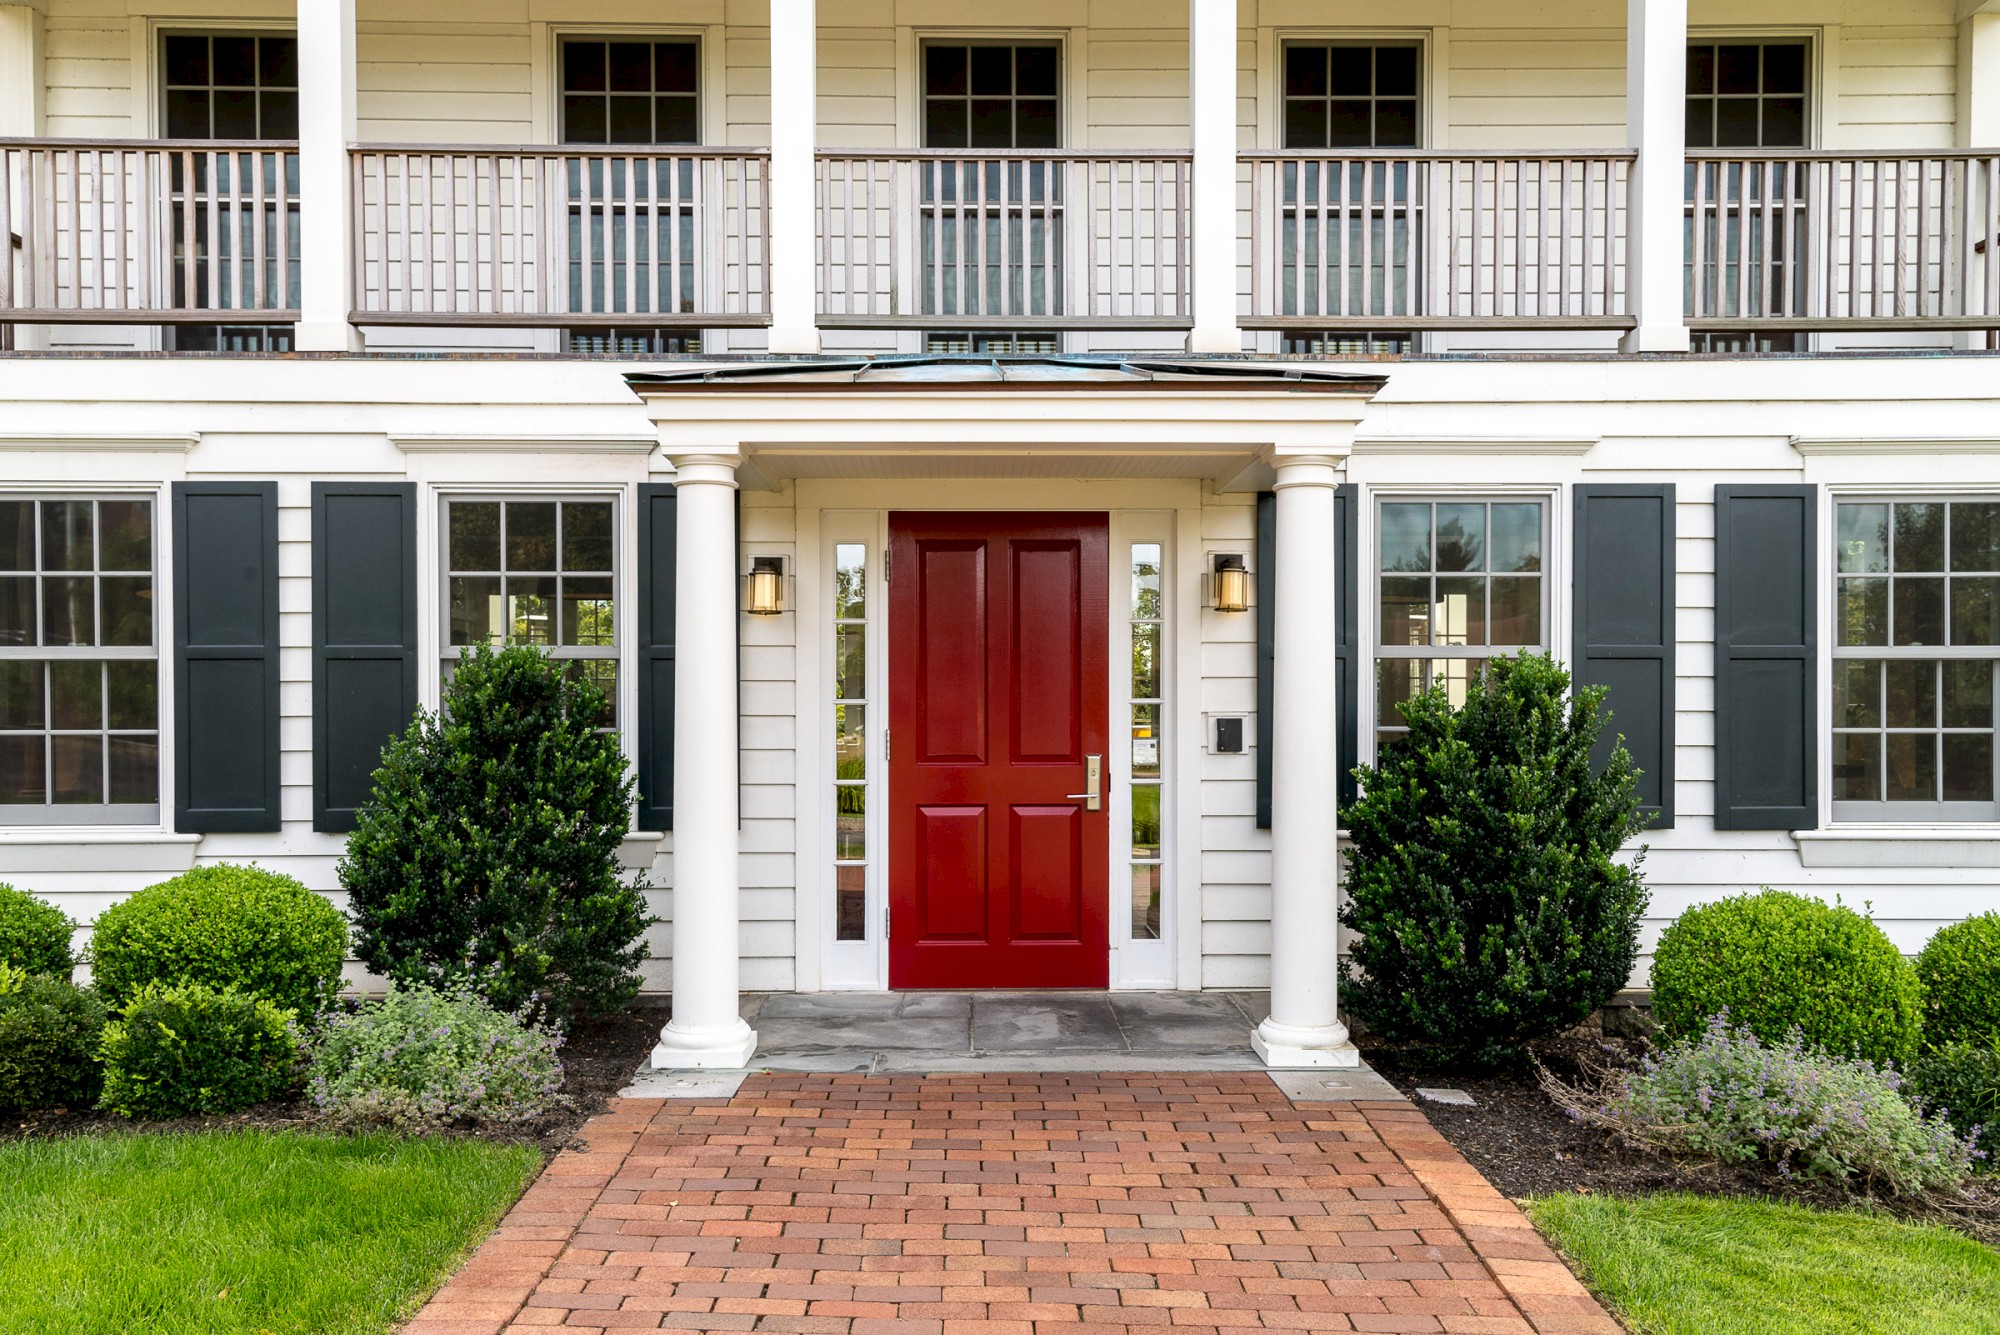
(1916, 659)
(540, 571)
(630, 92)
(1746, 94)
(992, 95)
(230, 86)
(1148, 701)
(850, 741)
(1351, 95)
(79, 661)
(1458, 581)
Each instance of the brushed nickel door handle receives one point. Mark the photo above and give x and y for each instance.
(1093, 780)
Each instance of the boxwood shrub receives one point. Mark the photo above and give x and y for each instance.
(1775, 961)
(176, 1049)
(1962, 1080)
(34, 935)
(227, 926)
(49, 1032)
(1960, 970)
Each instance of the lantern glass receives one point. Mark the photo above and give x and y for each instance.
(1229, 585)
(767, 586)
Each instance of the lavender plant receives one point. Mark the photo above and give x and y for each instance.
(423, 1057)
(1728, 1095)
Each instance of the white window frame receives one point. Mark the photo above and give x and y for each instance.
(1964, 817)
(82, 817)
(1368, 613)
(1140, 962)
(849, 965)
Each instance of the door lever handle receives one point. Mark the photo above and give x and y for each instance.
(1092, 796)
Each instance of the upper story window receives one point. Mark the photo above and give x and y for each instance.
(1350, 95)
(1746, 95)
(79, 662)
(627, 92)
(230, 86)
(991, 95)
(1916, 650)
(535, 570)
(1457, 582)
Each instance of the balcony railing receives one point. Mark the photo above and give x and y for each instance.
(1842, 240)
(1004, 240)
(1418, 240)
(561, 236)
(186, 231)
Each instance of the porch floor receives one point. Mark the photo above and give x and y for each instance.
(914, 1033)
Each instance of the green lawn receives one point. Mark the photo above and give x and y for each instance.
(1674, 1264)
(246, 1232)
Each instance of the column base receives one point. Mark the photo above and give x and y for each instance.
(793, 342)
(1209, 342)
(1291, 1047)
(325, 336)
(1656, 338)
(729, 1048)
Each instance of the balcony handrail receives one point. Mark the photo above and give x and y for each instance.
(1837, 154)
(171, 145)
(1438, 154)
(1003, 154)
(698, 151)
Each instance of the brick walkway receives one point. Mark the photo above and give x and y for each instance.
(1012, 1205)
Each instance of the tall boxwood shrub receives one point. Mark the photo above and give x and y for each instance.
(488, 850)
(1777, 961)
(1960, 970)
(1481, 881)
(35, 935)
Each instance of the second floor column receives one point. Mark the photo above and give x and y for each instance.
(794, 139)
(327, 126)
(1656, 125)
(1212, 131)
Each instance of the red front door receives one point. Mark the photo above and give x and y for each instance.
(997, 696)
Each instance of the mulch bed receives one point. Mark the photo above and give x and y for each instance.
(599, 1058)
(1526, 1145)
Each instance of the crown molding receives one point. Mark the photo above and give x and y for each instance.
(1474, 445)
(1849, 445)
(429, 443)
(151, 443)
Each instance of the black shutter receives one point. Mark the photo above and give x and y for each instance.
(1766, 649)
(656, 656)
(1625, 627)
(226, 656)
(1346, 613)
(1264, 570)
(364, 618)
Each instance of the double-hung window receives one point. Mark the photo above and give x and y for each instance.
(79, 661)
(539, 571)
(1457, 582)
(1916, 649)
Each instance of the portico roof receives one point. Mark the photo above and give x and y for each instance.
(1041, 372)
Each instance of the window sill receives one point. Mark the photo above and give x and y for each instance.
(93, 848)
(1900, 846)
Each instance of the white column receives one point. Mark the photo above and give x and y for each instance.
(794, 211)
(1979, 75)
(1656, 125)
(707, 1028)
(21, 83)
(1304, 1028)
(326, 127)
(1212, 132)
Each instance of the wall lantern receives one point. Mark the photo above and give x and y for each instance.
(1229, 583)
(765, 592)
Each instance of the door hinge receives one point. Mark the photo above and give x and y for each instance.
(887, 558)
(885, 920)
(885, 744)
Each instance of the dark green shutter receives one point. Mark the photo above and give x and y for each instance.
(656, 656)
(364, 619)
(1264, 572)
(1766, 651)
(1625, 627)
(226, 656)
(1346, 614)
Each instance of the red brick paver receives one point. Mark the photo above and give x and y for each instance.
(1012, 1205)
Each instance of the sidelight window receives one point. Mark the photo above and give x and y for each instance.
(1148, 623)
(79, 662)
(1916, 651)
(850, 741)
(1457, 582)
(536, 571)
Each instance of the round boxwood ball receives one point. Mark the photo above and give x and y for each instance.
(1960, 971)
(1776, 961)
(226, 926)
(33, 935)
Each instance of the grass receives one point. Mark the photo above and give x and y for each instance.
(1674, 1264)
(254, 1232)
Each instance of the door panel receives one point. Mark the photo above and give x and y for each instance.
(998, 632)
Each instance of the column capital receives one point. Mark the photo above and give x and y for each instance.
(1307, 470)
(705, 469)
